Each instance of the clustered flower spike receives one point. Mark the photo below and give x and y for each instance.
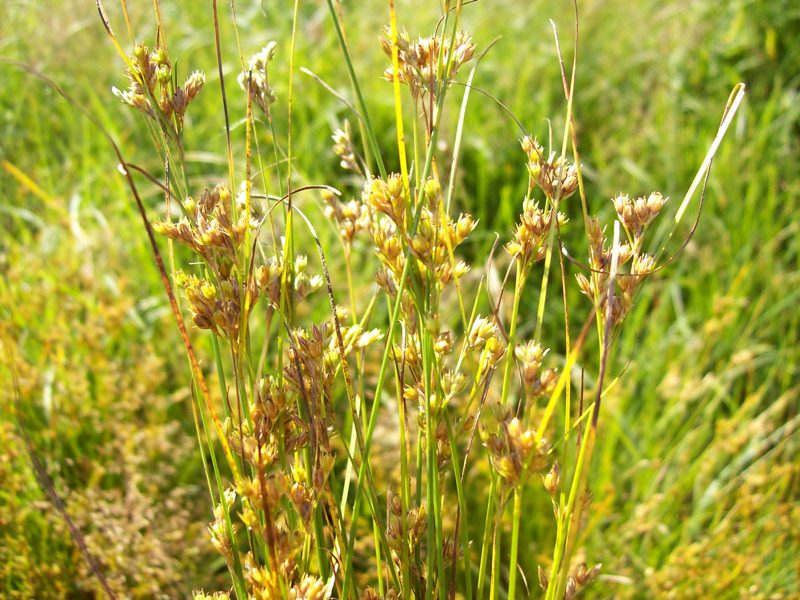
(579, 578)
(343, 148)
(255, 78)
(531, 234)
(557, 177)
(634, 264)
(423, 64)
(153, 91)
(437, 235)
(213, 233)
(515, 452)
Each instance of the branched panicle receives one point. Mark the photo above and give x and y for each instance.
(211, 230)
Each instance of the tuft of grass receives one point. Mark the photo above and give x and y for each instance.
(284, 412)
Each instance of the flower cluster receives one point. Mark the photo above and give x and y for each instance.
(556, 176)
(530, 236)
(580, 577)
(387, 197)
(153, 89)
(268, 279)
(634, 264)
(416, 523)
(215, 227)
(255, 79)
(434, 240)
(485, 337)
(343, 148)
(210, 228)
(352, 217)
(515, 452)
(214, 307)
(536, 380)
(636, 215)
(424, 64)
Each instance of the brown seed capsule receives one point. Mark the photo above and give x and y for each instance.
(552, 480)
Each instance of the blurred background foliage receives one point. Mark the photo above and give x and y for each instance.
(696, 480)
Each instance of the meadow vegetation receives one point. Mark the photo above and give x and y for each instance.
(486, 361)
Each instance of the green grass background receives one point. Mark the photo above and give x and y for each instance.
(696, 482)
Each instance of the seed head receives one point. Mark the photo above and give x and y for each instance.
(343, 148)
(309, 588)
(255, 79)
(420, 66)
(552, 480)
(482, 330)
(556, 177)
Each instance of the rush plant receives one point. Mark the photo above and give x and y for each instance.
(389, 445)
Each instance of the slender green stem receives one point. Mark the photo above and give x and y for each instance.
(578, 482)
(547, 261)
(512, 566)
(494, 587)
(487, 531)
(405, 492)
(378, 568)
(512, 334)
(362, 106)
(462, 506)
(430, 466)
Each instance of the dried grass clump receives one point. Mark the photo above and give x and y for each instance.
(755, 536)
(96, 412)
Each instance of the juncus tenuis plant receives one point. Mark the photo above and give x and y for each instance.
(481, 406)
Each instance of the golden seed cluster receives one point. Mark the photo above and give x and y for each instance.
(153, 89)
